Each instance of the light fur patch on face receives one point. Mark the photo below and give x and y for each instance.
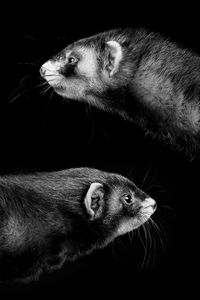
(88, 63)
(72, 88)
(129, 224)
(115, 206)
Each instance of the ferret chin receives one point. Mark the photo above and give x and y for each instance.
(138, 75)
(49, 218)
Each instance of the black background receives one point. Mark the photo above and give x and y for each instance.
(42, 132)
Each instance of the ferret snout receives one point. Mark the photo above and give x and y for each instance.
(47, 69)
(149, 204)
(50, 72)
(50, 68)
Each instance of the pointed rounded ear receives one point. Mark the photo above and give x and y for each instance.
(94, 200)
(114, 57)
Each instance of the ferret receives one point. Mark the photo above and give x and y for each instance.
(52, 217)
(138, 75)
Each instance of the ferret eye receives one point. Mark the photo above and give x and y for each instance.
(72, 60)
(128, 199)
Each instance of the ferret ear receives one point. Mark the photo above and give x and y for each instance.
(94, 200)
(114, 57)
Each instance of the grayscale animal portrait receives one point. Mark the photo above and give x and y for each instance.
(51, 217)
(100, 150)
(137, 74)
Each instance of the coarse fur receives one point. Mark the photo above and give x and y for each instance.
(47, 218)
(138, 75)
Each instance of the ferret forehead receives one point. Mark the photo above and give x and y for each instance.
(88, 62)
(81, 50)
(84, 53)
(123, 182)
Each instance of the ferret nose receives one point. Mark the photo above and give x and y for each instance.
(149, 202)
(154, 206)
(42, 71)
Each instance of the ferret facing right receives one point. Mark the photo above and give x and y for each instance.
(48, 218)
(138, 75)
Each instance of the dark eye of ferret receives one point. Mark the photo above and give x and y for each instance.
(127, 199)
(72, 60)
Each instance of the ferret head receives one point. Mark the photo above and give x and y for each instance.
(91, 69)
(116, 206)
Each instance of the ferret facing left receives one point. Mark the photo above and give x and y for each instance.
(138, 75)
(48, 218)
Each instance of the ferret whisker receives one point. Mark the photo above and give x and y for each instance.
(113, 243)
(148, 245)
(24, 78)
(28, 63)
(46, 109)
(41, 85)
(154, 246)
(41, 82)
(23, 87)
(129, 236)
(165, 239)
(50, 98)
(45, 90)
(165, 206)
(157, 230)
(146, 175)
(44, 86)
(40, 78)
(151, 243)
(129, 173)
(15, 91)
(32, 38)
(90, 118)
(145, 246)
(144, 243)
(155, 225)
(155, 186)
(20, 84)
(17, 96)
(133, 232)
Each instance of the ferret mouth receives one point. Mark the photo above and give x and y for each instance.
(54, 78)
(138, 219)
(58, 88)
